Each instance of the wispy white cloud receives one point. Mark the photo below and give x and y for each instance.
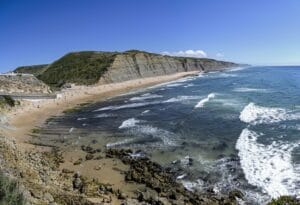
(187, 53)
(220, 55)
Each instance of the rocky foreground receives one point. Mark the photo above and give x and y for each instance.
(43, 182)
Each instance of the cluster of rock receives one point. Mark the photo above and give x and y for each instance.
(22, 83)
(162, 185)
(37, 173)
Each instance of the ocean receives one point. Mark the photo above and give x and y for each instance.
(236, 129)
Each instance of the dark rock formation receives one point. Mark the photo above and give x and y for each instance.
(163, 182)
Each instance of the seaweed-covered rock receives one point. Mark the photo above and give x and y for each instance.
(285, 200)
(163, 182)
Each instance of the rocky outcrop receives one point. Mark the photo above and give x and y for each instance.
(134, 65)
(22, 83)
(162, 185)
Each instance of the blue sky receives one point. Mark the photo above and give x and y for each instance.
(248, 31)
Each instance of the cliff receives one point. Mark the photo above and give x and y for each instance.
(22, 83)
(90, 67)
(135, 64)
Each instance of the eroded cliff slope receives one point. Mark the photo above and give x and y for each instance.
(22, 83)
(135, 64)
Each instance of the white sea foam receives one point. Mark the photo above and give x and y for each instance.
(186, 161)
(227, 75)
(146, 111)
(129, 123)
(246, 90)
(81, 118)
(104, 115)
(126, 106)
(119, 143)
(201, 75)
(144, 132)
(202, 102)
(189, 85)
(268, 166)
(181, 176)
(192, 185)
(174, 85)
(219, 74)
(166, 136)
(71, 129)
(145, 97)
(255, 114)
(238, 69)
(181, 98)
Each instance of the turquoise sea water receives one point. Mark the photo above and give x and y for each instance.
(238, 129)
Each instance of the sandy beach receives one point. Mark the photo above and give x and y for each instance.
(31, 114)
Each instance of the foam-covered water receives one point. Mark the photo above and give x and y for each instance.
(238, 129)
(255, 114)
(268, 166)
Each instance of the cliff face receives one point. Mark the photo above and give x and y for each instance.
(130, 66)
(22, 83)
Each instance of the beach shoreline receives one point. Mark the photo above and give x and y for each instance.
(29, 115)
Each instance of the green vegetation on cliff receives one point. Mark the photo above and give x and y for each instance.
(9, 192)
(83, 68)
(6, 100)
(285, 200)
(33, 69)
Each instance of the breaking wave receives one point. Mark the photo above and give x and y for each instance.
(127, 106)
(104, 115)
(81, 118)
(246, 90)
(174, 85)
(268, 166)
(202, 102)
(128, 123)
(146, 111)
(255, 114)
(154, 132)
(181, 98)
(144, 134)
(189, 85)
(145, 97)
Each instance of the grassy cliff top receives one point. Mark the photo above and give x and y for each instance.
(83, 68)
(32, 69)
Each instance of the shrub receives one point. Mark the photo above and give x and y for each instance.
(9, 192)
(6, 100)
(285, 200)
(11, 102)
